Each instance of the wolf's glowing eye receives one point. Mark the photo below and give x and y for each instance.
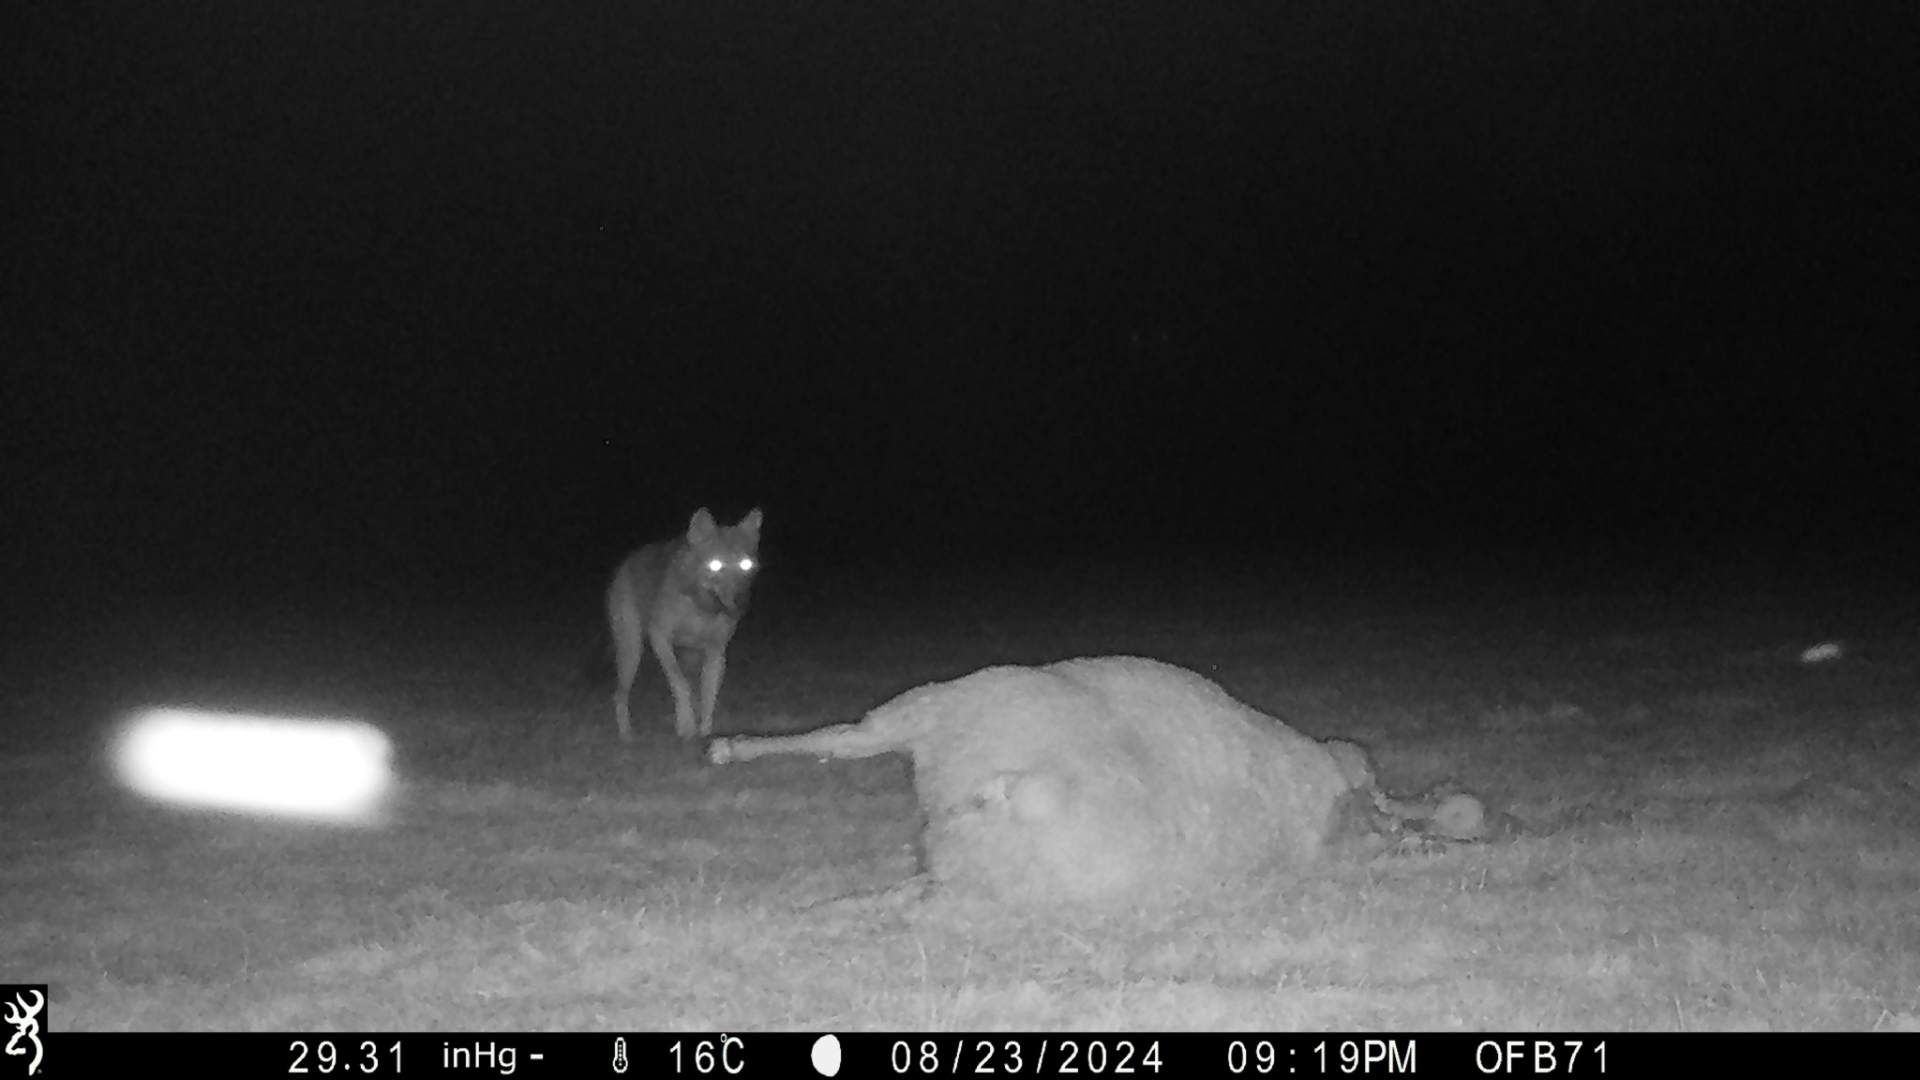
(714, 566)
(746, 565)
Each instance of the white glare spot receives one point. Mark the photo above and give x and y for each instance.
(826, 1055)
(291, 767)
(714, 566)
(746, 565)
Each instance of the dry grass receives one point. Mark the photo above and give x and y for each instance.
(1700, 840)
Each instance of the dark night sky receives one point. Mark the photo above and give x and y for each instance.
(325, 292)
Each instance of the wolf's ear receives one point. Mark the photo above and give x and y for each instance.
(701, 527)
(751, 523)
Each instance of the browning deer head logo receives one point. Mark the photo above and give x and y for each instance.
(26, 1026)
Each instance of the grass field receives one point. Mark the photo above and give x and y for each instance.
(1701, 833)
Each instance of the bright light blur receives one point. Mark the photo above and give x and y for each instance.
(302, 768)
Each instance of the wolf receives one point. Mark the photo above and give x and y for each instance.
(691, 593)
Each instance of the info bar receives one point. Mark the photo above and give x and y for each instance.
(863, 1055)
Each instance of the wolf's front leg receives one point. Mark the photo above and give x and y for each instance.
(713, 667)
(683, 721)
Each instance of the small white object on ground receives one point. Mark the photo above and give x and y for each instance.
(1825, 652)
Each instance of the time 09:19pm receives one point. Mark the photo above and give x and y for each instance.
(1263, 1057)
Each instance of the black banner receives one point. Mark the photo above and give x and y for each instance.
(721, 1056)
